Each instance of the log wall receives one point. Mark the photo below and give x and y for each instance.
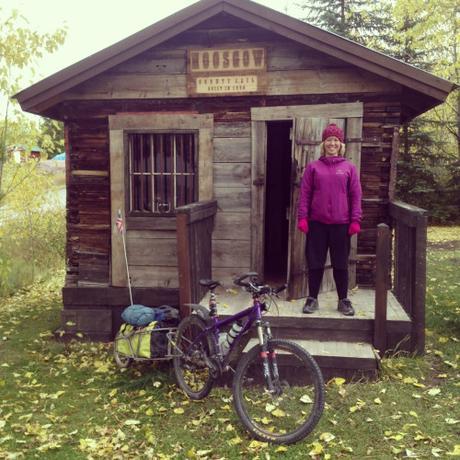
(88, 202)
(232, 186)
(380, 119)
(156, 81)
(88, 243)
(291, 69)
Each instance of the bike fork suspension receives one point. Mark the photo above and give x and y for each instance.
(272, 356)
(267, 356)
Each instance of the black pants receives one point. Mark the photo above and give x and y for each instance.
(320, 238)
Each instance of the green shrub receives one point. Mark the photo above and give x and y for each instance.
(32, 226)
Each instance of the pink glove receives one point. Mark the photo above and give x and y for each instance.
(354, 228)
(302, 225)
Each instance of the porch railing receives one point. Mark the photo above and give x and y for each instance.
(409, 280)
(195, 223)
(382, 284)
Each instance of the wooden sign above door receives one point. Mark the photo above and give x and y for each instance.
(226, 71)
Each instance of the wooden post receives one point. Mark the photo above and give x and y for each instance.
(410, 224)
(381, 287)
(194, 250)
(393, 163)
(183, 259)
(418, 297)
(258, 177)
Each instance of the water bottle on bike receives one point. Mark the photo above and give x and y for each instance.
(226, 339)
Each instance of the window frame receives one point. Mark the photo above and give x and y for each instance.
(128, 196)
(119, 124)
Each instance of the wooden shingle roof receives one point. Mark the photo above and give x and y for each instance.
(43, 94)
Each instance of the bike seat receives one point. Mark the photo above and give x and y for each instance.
(210, 284)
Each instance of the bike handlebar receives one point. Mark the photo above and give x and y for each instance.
(239, 281)
(280, 289)
(254, 286)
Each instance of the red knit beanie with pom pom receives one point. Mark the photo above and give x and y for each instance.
(333, 130)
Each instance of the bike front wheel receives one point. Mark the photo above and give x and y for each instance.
(192, 358)
(279, 396)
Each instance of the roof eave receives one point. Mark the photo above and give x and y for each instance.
(44, 94)
(343, 48)
(107, 58)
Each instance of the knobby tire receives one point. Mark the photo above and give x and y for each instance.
(192, 374)
(303, 402)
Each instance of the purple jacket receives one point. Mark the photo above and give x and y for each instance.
(330, 192)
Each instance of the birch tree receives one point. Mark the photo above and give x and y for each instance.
(19, 48)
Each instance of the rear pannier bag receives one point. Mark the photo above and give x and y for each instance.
(134, 341)
(150, 342)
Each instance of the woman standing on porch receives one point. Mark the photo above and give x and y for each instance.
(329, 212)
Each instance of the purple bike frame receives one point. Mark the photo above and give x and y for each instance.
(253, 313)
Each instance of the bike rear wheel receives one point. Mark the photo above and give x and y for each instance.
(121, 359)
(288, 411)
(191, 363)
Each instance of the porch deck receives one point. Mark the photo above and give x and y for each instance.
(342, 346)
(234, 300)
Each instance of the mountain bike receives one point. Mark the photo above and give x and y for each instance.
(278, 388)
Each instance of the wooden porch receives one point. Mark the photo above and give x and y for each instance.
(342, 345)
(387, 320)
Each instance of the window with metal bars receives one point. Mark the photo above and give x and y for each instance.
(162, 172)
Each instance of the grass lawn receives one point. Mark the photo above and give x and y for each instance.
(69, 401)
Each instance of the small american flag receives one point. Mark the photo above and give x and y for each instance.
(119, 222)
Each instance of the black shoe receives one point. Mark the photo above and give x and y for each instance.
(345, 307)
(311, 305)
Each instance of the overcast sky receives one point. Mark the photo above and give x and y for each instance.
(95, 24)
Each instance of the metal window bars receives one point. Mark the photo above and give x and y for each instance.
(162, 171)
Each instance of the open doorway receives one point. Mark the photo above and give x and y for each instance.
(277, 201)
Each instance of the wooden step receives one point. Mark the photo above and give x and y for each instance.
(339, 329)
(350, 360)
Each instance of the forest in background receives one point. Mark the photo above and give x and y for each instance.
(425, 34)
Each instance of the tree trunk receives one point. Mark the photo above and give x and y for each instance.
(3, 144)
(406, 140)
(457, 109)
(342, 16)
(457, 75)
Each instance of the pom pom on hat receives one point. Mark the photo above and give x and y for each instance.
(333, 130)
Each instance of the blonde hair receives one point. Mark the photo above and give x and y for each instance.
(323, 150)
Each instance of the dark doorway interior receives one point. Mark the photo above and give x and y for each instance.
(277, 200)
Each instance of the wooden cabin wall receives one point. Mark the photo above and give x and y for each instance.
(232, 186)
(88, 242)
(152, 256)
(291, 69)
(379, 121)
(88, 202)
(156, 81)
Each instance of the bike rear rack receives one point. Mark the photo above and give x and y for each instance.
(134, 352)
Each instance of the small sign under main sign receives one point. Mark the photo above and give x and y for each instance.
(226, 84)
(226, 71)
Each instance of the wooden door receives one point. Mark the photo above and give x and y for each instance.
(308, 123)
(306, 141)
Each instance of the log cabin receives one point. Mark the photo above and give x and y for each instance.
(198, 129)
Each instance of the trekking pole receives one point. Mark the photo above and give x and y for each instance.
(121, 228)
